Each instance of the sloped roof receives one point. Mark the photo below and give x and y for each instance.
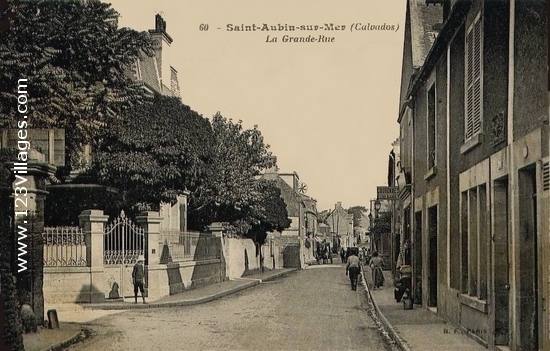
(310, 203)
(425, 21)
(422, 24)
(291, 198)
(149, 72)
(174, 83)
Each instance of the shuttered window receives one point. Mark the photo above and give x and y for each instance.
(546, 176)
(473, 79)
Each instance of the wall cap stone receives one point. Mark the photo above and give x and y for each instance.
(474, 302)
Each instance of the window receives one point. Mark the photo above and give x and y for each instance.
(475, 246)
(464, 242)
(431, 127)
(473, 79)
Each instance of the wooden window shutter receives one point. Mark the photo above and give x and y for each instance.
(473, 80)
(546, 176)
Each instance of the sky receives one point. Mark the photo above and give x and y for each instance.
(328, 110)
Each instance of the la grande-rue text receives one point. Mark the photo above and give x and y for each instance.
(305, 39)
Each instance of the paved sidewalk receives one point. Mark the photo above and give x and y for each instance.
(418, 329)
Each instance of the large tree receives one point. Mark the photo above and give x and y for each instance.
(268, 214)
(76, 61)
(382, 227)
(239, 157)
(357, 211)
(154, 152)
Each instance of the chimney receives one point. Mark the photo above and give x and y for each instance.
(160, 23)
(162, 43)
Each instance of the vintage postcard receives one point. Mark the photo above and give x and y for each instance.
(274, 175)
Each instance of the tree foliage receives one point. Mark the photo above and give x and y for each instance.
(76, 61)
(268, 214)
(154, 152)
(239, 157)
(357, 211)
(382, 224)
(78, 64)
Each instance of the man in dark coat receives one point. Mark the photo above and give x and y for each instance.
(138, 278)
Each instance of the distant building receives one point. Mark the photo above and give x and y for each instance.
(341, 225)
(362, 229)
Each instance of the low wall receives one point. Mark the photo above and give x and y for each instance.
(173, 278)
(240, 257)
(82, 285)
(71, 284)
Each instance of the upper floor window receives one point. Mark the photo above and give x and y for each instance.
(431, 128)
(474, 49)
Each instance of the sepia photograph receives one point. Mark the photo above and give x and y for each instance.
(274, 175)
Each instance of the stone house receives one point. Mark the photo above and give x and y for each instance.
(156, 73)
(394, 161)
(474, 160)
(362, 229)
(310, 224)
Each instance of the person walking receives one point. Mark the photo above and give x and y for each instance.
(375, 264)
(138, 278)
(353, 268)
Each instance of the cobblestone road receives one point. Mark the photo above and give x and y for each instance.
(312, 309)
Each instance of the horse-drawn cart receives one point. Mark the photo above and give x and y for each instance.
(323, 253)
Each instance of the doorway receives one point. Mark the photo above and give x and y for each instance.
(501, 262)
(432, 269)
(417, 259)
(527, 263)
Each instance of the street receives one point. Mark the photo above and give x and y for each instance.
(311, 309)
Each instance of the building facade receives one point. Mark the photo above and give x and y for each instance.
(474, 164)
(296, 242)
(341, 225)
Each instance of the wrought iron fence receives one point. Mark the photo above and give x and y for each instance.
(188, 246)
(64, 247)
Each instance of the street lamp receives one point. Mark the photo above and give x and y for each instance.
(371, 234)
(370, 221)
(376, 236)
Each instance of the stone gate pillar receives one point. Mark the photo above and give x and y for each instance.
(93, 225)
(30, 282)
(9, 308)
(217, 231)
(150, 221)
(155, 277)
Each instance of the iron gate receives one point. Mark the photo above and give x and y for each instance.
(123, 242)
